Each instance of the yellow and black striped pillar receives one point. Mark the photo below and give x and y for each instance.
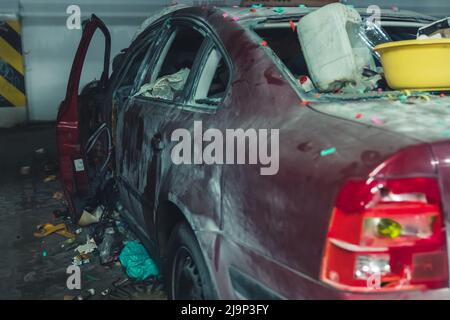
(12, 80)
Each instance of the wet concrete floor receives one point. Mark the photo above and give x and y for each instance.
(32, 268)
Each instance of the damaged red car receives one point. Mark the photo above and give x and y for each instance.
(357, 205)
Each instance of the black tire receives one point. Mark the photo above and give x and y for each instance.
(187, 276)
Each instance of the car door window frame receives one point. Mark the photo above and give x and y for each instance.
(151, 39)
(169, 32)
(213, 44)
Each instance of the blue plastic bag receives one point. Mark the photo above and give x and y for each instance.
(136, 261)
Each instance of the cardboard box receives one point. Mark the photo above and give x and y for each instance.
(288, 3)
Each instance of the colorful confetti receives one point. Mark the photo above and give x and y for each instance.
(264, 43)
(225, 15)
(292, 24)
(327, 152)
(235, 18)
(403, 98)
(358, 116)
(253, 10)
(256, 6)
(377, 121)
(305, 103)
(278, 10)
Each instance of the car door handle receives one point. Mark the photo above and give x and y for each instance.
(157, 143)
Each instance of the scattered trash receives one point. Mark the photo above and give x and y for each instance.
(88, 218)
(137, 262)
(88, 247)
(106, 246)
(264, 43)
(50, 178)
(225, 15)
(306, 83)
(58, 195)
(86, 295)
(327, 152)
(46, 229)
(358, 116)
(166, 86)
(129, 289)
(40, 151)
(25, 170)
(81, 259)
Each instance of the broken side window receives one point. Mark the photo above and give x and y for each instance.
(173, 67)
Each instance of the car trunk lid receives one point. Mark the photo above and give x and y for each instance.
(424, 117)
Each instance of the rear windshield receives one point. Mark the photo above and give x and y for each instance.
(285, 44)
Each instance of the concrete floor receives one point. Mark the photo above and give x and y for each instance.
(31, 268)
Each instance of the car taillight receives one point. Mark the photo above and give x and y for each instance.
(390, 230)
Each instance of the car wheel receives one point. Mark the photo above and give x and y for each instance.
(186, 272)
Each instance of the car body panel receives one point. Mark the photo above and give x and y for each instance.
(267, 231)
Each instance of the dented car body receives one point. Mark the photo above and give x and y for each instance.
(260, 236)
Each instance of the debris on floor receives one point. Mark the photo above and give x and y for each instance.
(46, 229)
(137, 262)
(50, 178)
(101, 240)
(25, 170)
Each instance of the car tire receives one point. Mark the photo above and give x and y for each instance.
(187, 276)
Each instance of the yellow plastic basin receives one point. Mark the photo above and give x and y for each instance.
(422, 65)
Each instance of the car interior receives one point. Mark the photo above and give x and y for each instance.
(285, 44)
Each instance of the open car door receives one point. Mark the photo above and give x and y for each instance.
(83, 137)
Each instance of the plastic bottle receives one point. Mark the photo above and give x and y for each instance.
(106, 245)
(373, 35)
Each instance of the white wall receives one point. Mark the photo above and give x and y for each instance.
(49, 47)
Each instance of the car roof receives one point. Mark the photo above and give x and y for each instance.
(244, 14)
